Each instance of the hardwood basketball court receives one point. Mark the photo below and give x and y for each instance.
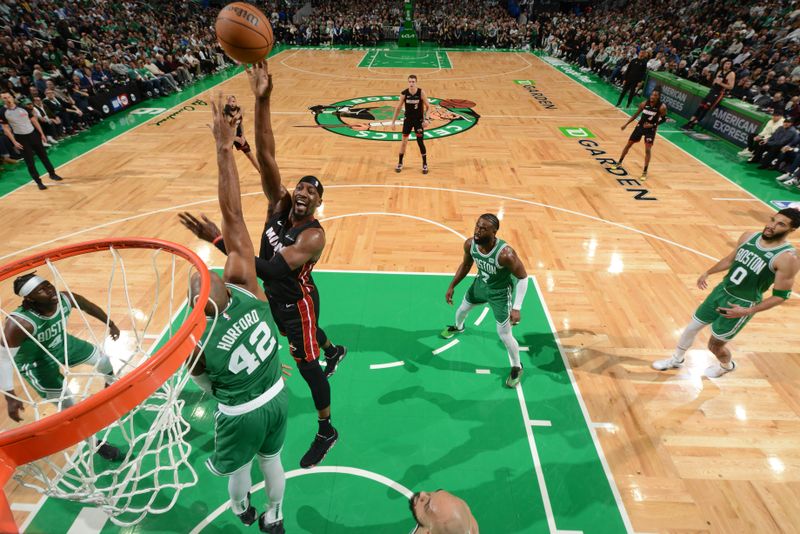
(615, 261)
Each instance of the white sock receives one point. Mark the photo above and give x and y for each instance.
(687, 338)
(461, 313)
(504, 331)
(274, 484)
(239, 484)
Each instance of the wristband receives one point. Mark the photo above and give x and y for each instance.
(219, 243)
(782, 293)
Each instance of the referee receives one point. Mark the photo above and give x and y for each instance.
(25, 133)
(634, 76)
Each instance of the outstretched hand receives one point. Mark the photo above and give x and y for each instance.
(205, 229)
(222, 125)
(113, 330)
(260, 79)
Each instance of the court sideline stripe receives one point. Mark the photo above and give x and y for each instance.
(537, 463)
(90, 520)
(34, 511)
(568, 368)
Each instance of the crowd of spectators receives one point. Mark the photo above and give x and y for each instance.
(692, 40)
(57, 55)
(344, 22)
(481, 23)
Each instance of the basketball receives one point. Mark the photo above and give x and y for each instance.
(244, 32)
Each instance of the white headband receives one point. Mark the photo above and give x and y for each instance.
(28, 287)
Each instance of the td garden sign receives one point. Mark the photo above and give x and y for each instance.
(370, 117)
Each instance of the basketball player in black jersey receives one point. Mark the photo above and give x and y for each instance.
(724, 81)
(416, 116)
(653, 113)
(292, 242)
(234, 113)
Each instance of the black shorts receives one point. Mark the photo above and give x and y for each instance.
(413, 124)
(244, 147)
(649, 134)
(298, 321)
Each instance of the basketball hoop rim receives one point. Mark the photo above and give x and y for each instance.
(67, 427)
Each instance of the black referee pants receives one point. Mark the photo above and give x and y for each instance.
(32, 144)
(630, 88)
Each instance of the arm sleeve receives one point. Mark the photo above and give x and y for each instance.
(7, 368)
(272, 269)
(522, 288)
(265, 269)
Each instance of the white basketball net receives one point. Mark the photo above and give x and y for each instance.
(152, 437)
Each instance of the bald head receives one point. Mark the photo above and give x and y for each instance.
(218, 295)
(440, 512)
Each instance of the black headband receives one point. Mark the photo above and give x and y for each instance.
(313, 181)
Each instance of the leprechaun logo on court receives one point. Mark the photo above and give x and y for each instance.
(370, 117)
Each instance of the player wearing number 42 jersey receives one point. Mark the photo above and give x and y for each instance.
(761, 259)
(237, 358)
(291, 244)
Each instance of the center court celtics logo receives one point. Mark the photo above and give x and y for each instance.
(370, 117)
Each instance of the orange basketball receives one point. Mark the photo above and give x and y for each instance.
(244, 32)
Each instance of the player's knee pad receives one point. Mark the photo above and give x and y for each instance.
(315, 378)
(421, 143)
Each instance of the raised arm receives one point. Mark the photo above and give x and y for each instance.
(239, 267)
(261, 84)
(95, 311)
(461, 272)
